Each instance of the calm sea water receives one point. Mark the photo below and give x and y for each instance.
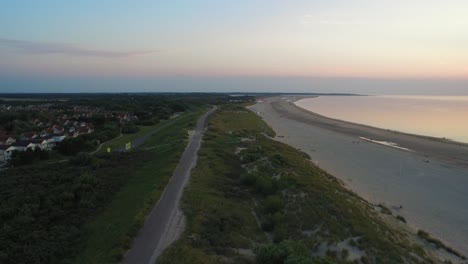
(437, 116)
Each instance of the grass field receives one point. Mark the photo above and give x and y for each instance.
(255, 200)
(109, 234)
(125, 138)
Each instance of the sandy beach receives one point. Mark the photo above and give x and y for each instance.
(427, 177)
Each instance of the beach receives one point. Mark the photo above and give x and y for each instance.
(421, 178)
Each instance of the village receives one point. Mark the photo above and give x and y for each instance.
(46, 139)
(46, 133)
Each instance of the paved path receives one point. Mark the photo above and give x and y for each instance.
(166, 221)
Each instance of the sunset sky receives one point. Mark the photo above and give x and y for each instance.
(165, 44)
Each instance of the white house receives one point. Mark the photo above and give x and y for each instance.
(50, 142)
(5, 155)
(7, 151)
(23, 145)
(39, 143)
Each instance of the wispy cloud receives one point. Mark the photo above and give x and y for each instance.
(32, 47)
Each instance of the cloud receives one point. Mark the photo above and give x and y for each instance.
(31, 47)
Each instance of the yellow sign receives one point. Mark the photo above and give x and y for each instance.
(128, 146)
(108, 150)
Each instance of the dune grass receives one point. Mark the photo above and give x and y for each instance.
(252, 199)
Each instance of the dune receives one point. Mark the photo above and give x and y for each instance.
(423, 179)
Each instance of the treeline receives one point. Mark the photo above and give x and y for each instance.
(15, 123)
(148, 109)
(89, 142)
(43, 208)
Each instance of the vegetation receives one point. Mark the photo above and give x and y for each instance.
(254, 200)
(401, 218)
(86, 209)
(108, 235)
(130, 128)
(43, 207)
(141, 110)
(28, 157)
(16, 123)
(439, 244)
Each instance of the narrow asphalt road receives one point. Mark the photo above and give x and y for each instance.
(154, 237)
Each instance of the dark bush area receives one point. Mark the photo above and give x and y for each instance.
(42, 208)
(287, 252)
(28, 157)
(129, 128)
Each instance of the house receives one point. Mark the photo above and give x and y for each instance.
(22, 145)
(28, 135)
(84, 130)
(58, 137)
(39, 143)
(50, 142)
(6, 152)
(57, 129)
(6, 140)
(46, 132)
(5, 155)
(72, 134)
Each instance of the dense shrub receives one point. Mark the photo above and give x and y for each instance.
(42, 208)
(29, 156)
(287, 252)
(130, 128)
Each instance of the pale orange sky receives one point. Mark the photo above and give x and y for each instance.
(335, 38)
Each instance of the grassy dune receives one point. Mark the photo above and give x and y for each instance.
(255, 200)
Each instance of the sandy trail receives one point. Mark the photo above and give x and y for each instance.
(430, 183)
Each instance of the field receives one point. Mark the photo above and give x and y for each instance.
(254, 200)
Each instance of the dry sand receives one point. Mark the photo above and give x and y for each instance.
(431, 183)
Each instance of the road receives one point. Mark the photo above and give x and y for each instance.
(166, 221)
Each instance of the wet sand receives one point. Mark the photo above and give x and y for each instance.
(430, 182)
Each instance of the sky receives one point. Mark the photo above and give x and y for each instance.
(370, 46)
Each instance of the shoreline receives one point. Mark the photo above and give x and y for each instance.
(449, 151)
(429, 183)
(438, 139)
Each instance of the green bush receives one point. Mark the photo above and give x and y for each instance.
(272, 204)
(130, 128)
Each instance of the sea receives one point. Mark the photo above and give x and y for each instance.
(435, 116)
